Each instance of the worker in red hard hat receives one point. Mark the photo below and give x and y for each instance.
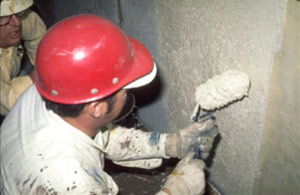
(21, 30)
(59, 132)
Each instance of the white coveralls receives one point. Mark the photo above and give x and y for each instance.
(33, 30)
(43, 154)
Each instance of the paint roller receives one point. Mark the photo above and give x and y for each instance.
(216, 94)
(219, 92)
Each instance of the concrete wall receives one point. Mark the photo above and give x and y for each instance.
(193, 40)
(280, 163)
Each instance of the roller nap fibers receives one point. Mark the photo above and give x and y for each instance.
(223, 89)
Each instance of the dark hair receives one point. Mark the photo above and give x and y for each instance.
(73, 110)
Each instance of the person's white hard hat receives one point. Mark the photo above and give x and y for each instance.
(9, 7)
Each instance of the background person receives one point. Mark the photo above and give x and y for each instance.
(21, 30)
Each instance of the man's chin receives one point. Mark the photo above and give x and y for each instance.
(10, 43)
(15, 42)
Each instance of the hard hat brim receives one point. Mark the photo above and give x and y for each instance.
(142, 62)
(143, 80)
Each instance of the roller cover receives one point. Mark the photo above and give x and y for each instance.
(223, 89)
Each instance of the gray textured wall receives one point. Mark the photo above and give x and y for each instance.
(191, 41)
(197, 40)
(280, 163)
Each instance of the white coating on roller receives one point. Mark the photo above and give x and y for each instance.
(223, 89)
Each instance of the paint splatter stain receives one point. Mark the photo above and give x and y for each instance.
(42, 169)
(40, 190)
(27, 180)
(32, 183)
(43, 189)
(73, 187)
(125, 144)
(153, 139)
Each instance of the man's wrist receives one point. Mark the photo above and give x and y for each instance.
(172, 145)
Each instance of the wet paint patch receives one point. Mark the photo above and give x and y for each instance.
(94, 174)
(153, 139)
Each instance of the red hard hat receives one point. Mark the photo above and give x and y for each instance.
(86, 57)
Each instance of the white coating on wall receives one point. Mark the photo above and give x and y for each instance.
(199, 39)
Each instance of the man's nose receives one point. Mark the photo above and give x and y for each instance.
(14, 20)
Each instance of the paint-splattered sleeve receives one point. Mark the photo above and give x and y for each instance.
(132, 144)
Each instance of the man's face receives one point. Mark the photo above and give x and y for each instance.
(10, 33)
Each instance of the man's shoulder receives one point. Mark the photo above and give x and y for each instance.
(31, 16)
(29, 96)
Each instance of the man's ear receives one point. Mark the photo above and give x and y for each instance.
(98, 109)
